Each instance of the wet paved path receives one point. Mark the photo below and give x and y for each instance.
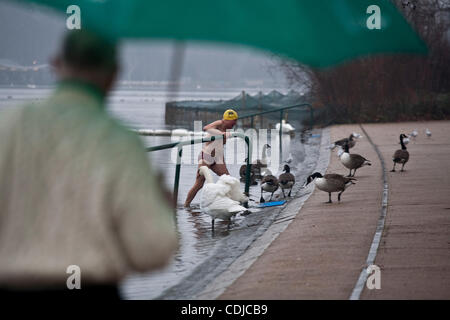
(321, 253)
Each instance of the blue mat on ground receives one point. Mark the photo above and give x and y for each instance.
(272, 203)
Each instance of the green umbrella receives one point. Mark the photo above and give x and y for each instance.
(315, 32)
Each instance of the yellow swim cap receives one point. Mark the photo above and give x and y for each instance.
(230, 114)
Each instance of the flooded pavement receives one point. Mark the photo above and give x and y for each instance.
(202, 255)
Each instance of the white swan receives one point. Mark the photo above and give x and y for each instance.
(214, 200)
(235, 193)
(285, 127)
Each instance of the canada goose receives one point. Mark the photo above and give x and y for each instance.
(353, 161)
(428, 132)
(256, 165)
(215, 199)
(286, 180)
(350, 141)
(269, 183)
(401, 155)
(253, 173)
(331, 182)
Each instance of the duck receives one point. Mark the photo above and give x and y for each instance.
(350, 141)
(286, 180)
(269, 183)
(428, 132)
(400, 155)
(353, 161)
(285, 127)
(331, 182)
(216, 198)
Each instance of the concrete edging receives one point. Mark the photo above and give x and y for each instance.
(359, 286)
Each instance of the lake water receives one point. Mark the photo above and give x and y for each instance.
(200, 250)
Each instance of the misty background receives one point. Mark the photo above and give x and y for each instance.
(30, 35)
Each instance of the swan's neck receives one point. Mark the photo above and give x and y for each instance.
(264, 154)
(208, 176)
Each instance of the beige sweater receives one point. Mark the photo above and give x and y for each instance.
(76, 188)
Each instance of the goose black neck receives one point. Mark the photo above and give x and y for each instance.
(346, 149)
(401, 142)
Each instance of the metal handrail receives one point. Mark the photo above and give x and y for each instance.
(281, 110)
(180, 146)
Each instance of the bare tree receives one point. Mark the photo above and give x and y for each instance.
(388, 87)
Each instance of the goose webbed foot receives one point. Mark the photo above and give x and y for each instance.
(392, 170)
(262, 200)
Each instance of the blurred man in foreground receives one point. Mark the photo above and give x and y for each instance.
(76, 188)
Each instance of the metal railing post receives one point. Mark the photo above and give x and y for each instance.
(248, 168)
(281, 135)
(177, 174)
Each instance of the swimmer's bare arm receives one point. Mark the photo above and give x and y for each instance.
(214, 129)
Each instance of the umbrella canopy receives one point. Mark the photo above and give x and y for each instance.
(317, 33)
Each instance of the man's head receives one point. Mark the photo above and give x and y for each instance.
(88, 57)
(229, 118)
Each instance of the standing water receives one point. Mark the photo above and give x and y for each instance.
(201, 253)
